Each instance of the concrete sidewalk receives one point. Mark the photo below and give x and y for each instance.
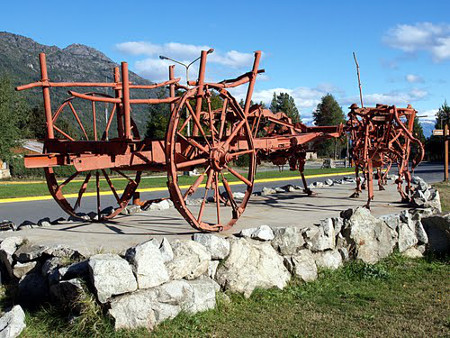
(282, 209)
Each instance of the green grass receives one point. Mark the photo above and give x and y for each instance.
(396, 297)
(444, 194)
(8, 190)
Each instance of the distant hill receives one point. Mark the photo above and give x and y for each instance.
(427, 126)
(19, 58)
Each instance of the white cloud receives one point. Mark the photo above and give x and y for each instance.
(429, 115)
(423, 36)
(152, 67)
(412, 78)
(399, 98)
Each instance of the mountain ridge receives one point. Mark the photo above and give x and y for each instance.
(19, 59)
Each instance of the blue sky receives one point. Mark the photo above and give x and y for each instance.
(403, 47)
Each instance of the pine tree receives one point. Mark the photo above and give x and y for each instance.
(329, 113)
(443, 116)
(286, 104)
(158, 119)
(12, 117)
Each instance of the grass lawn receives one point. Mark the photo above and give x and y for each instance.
(33, 188)
(444, 194)
(396, 297)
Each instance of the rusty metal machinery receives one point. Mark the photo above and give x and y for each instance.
(198, 137)
(382, 136)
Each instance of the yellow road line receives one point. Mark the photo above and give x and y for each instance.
(107, 193)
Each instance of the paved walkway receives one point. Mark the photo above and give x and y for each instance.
(283, 209)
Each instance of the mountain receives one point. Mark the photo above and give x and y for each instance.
(19, 59)
(427, 126)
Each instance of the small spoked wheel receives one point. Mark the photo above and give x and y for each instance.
(93, 195)
(81, 194)
(220, 137)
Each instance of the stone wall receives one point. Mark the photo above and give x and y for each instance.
(156, 280)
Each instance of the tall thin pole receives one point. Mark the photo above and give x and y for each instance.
(126, 100)
(446, 152)
(359, 80)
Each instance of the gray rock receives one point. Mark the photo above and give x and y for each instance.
(437, 228)
(262, 233)
(391, 220)
(370, 238)
(193, 201)
(329, 182)
(7, 249)
(345, 255)
(136, 310)
(267, 191)
(21, 269)
(75, 270)
(147, 308)
(68, 294)
(412, 253)
(111, 275)
(134, 209)
(63, 251)
(330, 259)
(406, 232)
(50, 270)
(45, 222)
(218, 247)
(166, 250)
(7, 226)
(252, 264)
(324, 238)
(212, 268)
(33, 289)
(191, 260)
(203, 296)
(12, 322)
(162, 205)
(238, 195)
(279, 190)
(148, 264)
(304, 266)
(29, 252)
(26, 225)
(288, 240)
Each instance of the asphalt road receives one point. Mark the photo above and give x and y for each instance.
(33, 211)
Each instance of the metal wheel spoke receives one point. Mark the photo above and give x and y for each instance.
(192, 142)
(240, 153)
(229, 193)
(223, 116)
(125, 176)
(197, 122)
(234, 133)
(97, 182)
(71, 177)
(94, 120)
(217, 195)
(193, 188)
(190, 163)
(63, 133)
(211, 121)
(82, 190)
(78, 120)
(205, 196)
(111, 186)
(184, 124)
(239, 176)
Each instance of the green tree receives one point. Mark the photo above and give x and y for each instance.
(158, 119)
(36, 123)
(329, 113)
(12, 117)
(285, 103)
(418, 133)
(442, 116)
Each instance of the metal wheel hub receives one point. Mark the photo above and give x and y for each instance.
(218, 158)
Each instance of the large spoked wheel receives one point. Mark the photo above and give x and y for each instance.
(219, 138)
(93, 193)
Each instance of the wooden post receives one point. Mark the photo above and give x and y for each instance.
(446, 152)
